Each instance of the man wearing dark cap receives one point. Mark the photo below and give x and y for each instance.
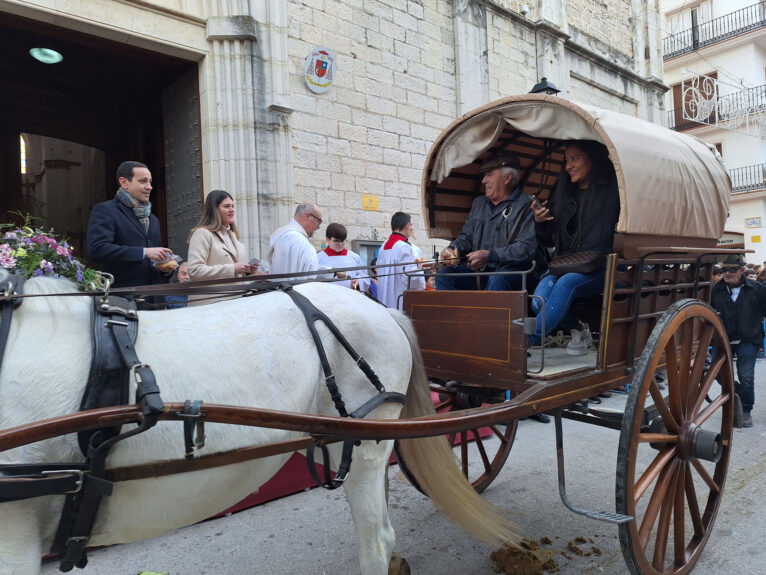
(741, 303)
(499, 234)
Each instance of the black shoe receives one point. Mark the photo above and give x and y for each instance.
(541, 417)
(747, 420)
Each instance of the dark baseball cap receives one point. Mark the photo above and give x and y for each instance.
(500, 159)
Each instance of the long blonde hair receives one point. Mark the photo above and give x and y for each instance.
(211, 215)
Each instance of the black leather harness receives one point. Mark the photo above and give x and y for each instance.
(312, 315)
(114, 363)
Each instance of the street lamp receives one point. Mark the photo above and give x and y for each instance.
(545, 87)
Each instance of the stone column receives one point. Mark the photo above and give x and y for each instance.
(227, 111)
(276, 198)
(551, 31)
(471, 61)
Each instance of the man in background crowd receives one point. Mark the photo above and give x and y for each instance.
(289, 248)
(395, 260)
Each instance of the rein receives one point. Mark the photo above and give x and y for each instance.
(247, 285)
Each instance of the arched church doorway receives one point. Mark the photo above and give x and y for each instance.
(66, 126)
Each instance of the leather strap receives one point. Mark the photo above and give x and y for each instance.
(348, 445)
(24, 481)
(9, 300)
(147, 390)
(192, 421)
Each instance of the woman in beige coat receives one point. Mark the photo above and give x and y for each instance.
(214, 247)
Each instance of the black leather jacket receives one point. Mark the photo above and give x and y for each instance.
(743, 319)
(489, 227)
(583, 220)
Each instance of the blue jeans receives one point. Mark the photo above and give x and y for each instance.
(745, 387)
(558, 293)
(491, 283)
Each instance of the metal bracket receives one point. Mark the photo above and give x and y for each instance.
(606, 516)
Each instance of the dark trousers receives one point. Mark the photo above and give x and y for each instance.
(444, 280)
(745, 387)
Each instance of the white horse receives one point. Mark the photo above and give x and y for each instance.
(254, 351)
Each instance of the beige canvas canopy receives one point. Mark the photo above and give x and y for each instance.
(670, 184)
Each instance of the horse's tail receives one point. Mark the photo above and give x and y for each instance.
(432, 462)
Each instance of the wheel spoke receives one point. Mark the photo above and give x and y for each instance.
(714, 405)
(706, 476)
(449, 402)
(451, 439)
(684, 367)
(698, 367)
(679, 539)
(674, 384)
(707, 382)
(657, 466)
(659, 402)
(480, 444)
(663, 525)
(657, 438)
(653, 508)
(691, 498)
(500, 435)
(464, 451)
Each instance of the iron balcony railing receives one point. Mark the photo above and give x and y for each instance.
(721, 28)
(748, 178)
(674, 119)
(730, 110)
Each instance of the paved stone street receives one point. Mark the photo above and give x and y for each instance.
(311, 533)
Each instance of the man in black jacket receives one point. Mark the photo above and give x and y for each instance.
(499, 234)
(741, 303)
(124, 235)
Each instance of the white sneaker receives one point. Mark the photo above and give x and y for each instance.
(580, 342)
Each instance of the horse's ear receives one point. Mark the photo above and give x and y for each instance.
(3, 275)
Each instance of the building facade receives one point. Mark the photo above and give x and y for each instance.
(213, 94)
(714, 60)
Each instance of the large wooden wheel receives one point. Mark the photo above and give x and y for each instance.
(674, 445)
(471, 442)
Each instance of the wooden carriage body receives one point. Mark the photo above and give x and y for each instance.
(674, 194)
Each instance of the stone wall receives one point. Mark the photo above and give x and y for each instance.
(608, 21)
(511, 50)
(394, 91)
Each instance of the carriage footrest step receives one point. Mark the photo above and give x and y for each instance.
(607, 516)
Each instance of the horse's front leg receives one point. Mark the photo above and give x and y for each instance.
(366, 493)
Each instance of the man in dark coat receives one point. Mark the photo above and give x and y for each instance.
(123, 234)
(498, 235)
(741, 303)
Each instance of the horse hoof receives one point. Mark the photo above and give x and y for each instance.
(398, 565)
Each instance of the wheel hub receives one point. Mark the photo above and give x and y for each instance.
(695, 442)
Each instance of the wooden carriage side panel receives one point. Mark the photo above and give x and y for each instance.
(662, 284)
(469, 336)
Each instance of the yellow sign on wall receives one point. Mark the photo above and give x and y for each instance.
(370, 202)
(755, 239)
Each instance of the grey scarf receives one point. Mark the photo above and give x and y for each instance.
(140, 209)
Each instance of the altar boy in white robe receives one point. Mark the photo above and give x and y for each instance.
(392, 281)
(336, 255)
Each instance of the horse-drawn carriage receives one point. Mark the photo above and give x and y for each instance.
(271, 355)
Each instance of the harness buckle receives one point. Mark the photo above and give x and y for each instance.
(134, 372)
(80, 473)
